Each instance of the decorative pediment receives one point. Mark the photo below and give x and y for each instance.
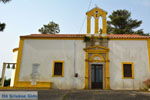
(100, 12)
(96, 57)
(96, 49)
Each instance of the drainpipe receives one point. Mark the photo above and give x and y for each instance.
(74, 62)
(74, 57)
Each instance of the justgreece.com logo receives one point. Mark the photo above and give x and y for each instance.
(20, 95)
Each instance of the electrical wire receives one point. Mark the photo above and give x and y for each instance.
(89, 6)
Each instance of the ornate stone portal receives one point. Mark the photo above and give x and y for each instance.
(97, 50)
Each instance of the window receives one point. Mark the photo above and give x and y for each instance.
(58, 68)
(128, 70)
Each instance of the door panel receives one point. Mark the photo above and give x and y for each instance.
(97, 76)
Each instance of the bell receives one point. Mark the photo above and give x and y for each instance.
(8, 66)
(13, 67)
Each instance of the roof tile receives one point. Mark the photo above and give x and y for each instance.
(111, 36)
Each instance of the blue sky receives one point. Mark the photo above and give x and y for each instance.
(27, 16)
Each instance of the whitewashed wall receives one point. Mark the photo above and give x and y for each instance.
(15, 54)
(128, 51)
(44, 52)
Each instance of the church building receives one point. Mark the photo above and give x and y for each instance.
(83, 61)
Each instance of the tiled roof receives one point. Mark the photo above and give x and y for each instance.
(56, 35)
(111, 36)
(127, 36)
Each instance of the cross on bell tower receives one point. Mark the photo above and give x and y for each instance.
(97, 13)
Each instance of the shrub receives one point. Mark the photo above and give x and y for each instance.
(147, 82)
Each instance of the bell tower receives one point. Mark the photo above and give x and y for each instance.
(96, 13)
(97, 50)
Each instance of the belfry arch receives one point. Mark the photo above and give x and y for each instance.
(96, 13)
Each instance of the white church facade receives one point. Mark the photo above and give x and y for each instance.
(83, 61)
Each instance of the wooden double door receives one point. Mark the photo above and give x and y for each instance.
(97, 76)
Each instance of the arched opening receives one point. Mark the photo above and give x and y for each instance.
(92, 25)
(100, 25)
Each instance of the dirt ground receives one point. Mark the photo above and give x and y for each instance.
(89, 94)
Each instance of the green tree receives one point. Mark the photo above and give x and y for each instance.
(121, 23)
(4, 1)
(6, 82)
(2, 25)
(50, 28)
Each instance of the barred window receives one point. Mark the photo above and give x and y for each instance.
(58, 69)
(127, 71)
